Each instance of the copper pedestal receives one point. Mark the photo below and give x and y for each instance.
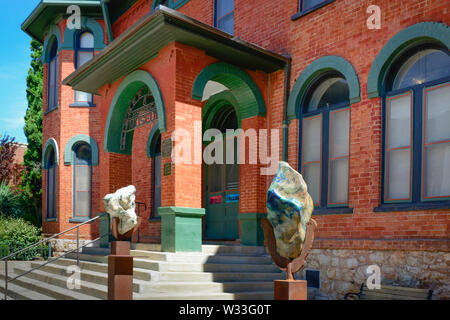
(290, 290)
(120, 272)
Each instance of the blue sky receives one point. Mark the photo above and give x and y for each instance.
(14, 65)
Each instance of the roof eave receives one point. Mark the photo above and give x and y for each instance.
(172, 21)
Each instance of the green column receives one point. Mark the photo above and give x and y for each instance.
(251, 231)
(181, 229)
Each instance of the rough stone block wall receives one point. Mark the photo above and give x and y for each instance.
(343, 271)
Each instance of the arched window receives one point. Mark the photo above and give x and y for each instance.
(416, 127)
(156, 179)
(84, 52)
(51, 184)
(53, 77)
(224, 15)
(82, 180)
(325, 133)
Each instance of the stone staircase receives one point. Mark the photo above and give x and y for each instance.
(219, 272)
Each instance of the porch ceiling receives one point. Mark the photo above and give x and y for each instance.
(145, 38)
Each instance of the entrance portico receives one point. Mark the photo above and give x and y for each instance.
(162, 80)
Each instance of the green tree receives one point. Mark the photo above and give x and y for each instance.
(32, 178)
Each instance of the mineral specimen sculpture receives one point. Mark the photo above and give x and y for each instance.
(289, 229)
(121, 205)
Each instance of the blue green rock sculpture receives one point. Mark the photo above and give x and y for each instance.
(289, 209)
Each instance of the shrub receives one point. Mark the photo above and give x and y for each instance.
(10, 202)
(16, 234)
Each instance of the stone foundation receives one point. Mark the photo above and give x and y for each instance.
(344, 270)
(60, 246)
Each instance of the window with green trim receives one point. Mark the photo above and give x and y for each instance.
(82, 181)
(416, 113)
(84, 52)
(224, 15)
(53, 73)
(325, 132)
(51, 184)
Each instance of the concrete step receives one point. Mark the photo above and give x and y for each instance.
(139, 274)
(201, 257)
(199, 288)
(209, 249)
(200, 267)
(86, 275)
(256, 295)
(219, 276)
(16, 292)
(96, 251)
(87, 288)
(48, 289)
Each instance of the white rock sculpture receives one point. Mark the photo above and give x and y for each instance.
(122, 205)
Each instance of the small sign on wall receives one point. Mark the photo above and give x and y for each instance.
(168, 169)
(167, 148)
(215, 200)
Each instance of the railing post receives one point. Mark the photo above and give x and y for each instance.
(78, 247)
(6, 279)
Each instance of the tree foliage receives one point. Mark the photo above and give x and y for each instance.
(32, 178)
(7, 152)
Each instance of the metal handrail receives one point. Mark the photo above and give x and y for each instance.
(57, 258)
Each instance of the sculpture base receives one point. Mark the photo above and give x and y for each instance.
(120, 272)
(290, 290)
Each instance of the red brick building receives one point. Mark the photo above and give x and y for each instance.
(359, 95)
(17, 168)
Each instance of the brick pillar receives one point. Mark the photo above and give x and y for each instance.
(252, 188)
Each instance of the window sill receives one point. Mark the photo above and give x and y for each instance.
(49, 111)
(82, 105)
(78, 220)
(412, 206)
(331, 211)
(51, 220)
(300, 14)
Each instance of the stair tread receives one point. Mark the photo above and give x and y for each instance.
(26, 294)
(47, 286)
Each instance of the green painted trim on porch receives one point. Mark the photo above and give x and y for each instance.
(151, 141)
(405, 39)
(250, 100)
(119, 105)
(215, 103)
(252, 233)
(86, 24)
(317, 67)
(68, 150)
(50, 143)
(53, 33)
(181, 229)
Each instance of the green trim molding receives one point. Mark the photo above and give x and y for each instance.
(241, 85)
(396, 46)
(251, 230)
(317, 67)
(181, 229)
(119, 105)
(68, 150)
(87, 24)
(53, 33)
(215, 103)
(173, 4)
(51, 143)
(152, 139)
